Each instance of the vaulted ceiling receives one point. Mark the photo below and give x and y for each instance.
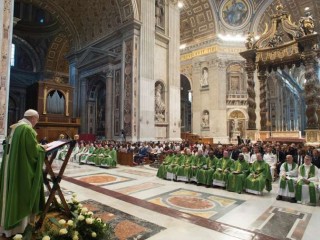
(207, 18)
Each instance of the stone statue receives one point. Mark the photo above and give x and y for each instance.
(204, 77)
(160, 107)
(307, 24)
(159, 14)
(205, 120)
(235, 125)
(249, 40)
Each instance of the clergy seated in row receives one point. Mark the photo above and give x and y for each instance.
(205, 174)
(102, 156)
(162, 170)
(239, 171)
(288, 176)
(92, 157)
(271, 160)
(259, 177)
(83, 158)
(184, 170)
(198, 163)
(172, 168)
(75, 157)
(222, 170)
(307, 184)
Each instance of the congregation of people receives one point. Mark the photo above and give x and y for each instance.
(238, 168)
(248, 168)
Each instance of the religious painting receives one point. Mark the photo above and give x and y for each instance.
(234, 13)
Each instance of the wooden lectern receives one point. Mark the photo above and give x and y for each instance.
(50, 177)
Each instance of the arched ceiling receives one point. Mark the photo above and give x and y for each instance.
(196, 20)
(204, 18)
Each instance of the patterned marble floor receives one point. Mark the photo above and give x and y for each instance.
(145, 207)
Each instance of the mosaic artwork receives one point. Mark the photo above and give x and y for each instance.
(235, 12)
(137, 172)
(282, 223)
(103, 179)
(125, 226)
(201, 204)
(138, 188)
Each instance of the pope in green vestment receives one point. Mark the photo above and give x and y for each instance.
(21, 180)
(259, 177)
(237, 176)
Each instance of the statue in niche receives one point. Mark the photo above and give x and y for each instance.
(159, 14)
(160, 107)
(205, 120)
(204, 77)
(235, 125)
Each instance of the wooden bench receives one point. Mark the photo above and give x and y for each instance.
(124, 158)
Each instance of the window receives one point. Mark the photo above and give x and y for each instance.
(13, 49)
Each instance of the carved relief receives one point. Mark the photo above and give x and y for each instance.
(160, 106)
(117, 101)
(127, 111)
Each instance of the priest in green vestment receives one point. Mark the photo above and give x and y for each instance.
(21, 183)
(197, 164)
(307, 189)
(162, 170)
(259, 177)
(239, 171)
(172, 168)
(288, 176)
(223, 169)
(184, 170)
(205, 169)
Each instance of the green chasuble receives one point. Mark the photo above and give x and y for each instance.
(176, 162)
(262, 179)
(223, 168)
(162, 171)
(205, 173)
(284, 181)
(312, 187)
(185, 168)
(21, 183)
(198, 163)
(237, 176)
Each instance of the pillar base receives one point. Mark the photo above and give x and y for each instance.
(312, 136)
(264, 135)
(253, 135)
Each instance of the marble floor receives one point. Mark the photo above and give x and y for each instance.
(141, 206)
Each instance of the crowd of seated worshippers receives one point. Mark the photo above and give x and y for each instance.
(251, 169)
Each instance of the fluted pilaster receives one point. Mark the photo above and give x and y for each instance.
(109, 96)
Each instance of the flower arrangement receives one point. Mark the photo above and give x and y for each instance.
(82, 226)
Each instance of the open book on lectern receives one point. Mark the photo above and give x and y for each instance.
(56, 145)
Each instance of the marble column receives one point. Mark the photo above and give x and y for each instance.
(251, 95)
(109, 96)
(6, 28)
(84, 108)
(263, 100)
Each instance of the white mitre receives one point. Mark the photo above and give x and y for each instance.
(31, 113)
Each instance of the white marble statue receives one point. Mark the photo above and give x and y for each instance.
(160, 107)
(204, 77)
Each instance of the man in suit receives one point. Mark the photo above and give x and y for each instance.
(315, 158)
